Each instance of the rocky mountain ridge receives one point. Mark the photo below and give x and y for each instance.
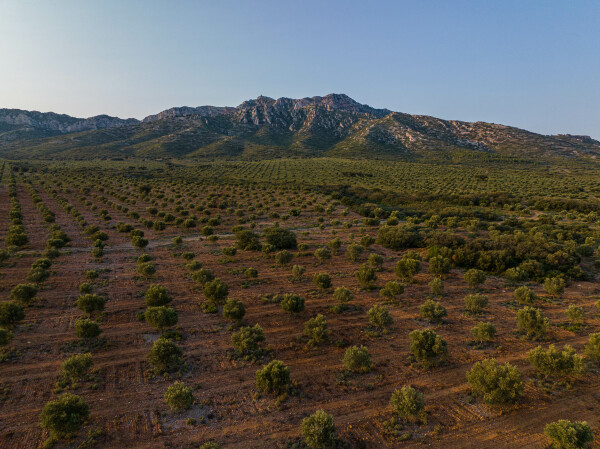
(332, 125)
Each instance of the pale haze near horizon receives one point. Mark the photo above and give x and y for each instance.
(531, 64)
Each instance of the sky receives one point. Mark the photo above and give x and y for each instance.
(534, 64)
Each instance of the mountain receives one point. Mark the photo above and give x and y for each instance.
(333, 125)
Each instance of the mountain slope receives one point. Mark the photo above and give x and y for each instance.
(333, 125)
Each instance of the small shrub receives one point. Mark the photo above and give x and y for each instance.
(234, 310)
(216, 291)
(87, 329)
(495, 382)
(532, 321)
(90, 303)
(407, 402)
(575, 313)
(64, 416)
(439, 265)
(483, 332)
(357, 359)
(592, 348)
(323, 254)
(569, 434)
(179, 397)
(316, 330)
(23, 293)
(554, 362)
(376, 261)
(407, 267)
(165, 356)
(273, 378)
(366, 277)
(322, 281)
(428, 347)
(292, 303)
(203, 276)
(436, 287)
(474, 304)
(297, 272)
(318, 431)
(283, 257)
(380, 316)
(354, 252)
(525, 295)
(77, 367)
(161, 317)
(474, 277)
(5, 336)
(280, 238)
(157, 295)
(433, 311)
(247, 339)
(554, 286)
(391, 289)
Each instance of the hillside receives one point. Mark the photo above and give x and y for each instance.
(333, 125)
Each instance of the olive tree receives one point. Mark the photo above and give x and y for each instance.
(567, 434)
(179, 397)
(165, 356)
(234, 310)
(428, 347)
(495, 382)
(161, 317)
(318, 431)
(407, 402)
(532, 321)
(157, 295)
(357, 359)
(64, 416)
(380, 316)
(433, 311)
(556, 362)
(316, 330)
(273, 377)
(216, 291)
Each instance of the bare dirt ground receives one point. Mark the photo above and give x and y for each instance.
(126, 401)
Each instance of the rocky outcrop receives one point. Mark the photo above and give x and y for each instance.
(11, 119)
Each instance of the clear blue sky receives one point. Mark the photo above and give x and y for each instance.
(532, 64)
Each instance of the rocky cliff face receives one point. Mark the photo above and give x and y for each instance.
(332, 125)
(17, 118)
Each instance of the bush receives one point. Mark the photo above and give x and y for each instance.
(367, 240)
(391, 289)
(157, 295)
(5, 336)
(592, 348)
(280, 238)
(247, 339)
(569, 435)
(532, 321)
(179, 397)
(575, 313)
(316, 330)
(64, 416)
(322, 281)
(433, 311)
(407, 402)
(323, 254)
(139, 242)
(436, 287)
(439, 265)
(146, 269)
(380, 316)
(234, 310)
(399, 237)
(554, 286)
(357, 359)
(87, 329)
(203, 276)
(292, 303)
(247, 240)
(495, 382)
(474, 277)
(165, 356)
(231, 251)
(406, 268)
(77, 367)
(318, 431)
(23, 293)
(90, 303)
(38, 275)
(483, 332)
(283, 257)
(474, 304)
(11, 313)
(428, 347)
(298, 272)
(273, 378)
(353, 252)
(366, 277)
(525, 295)
(553, 362)
(376, 261)
(160, 317)
(216, 291)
